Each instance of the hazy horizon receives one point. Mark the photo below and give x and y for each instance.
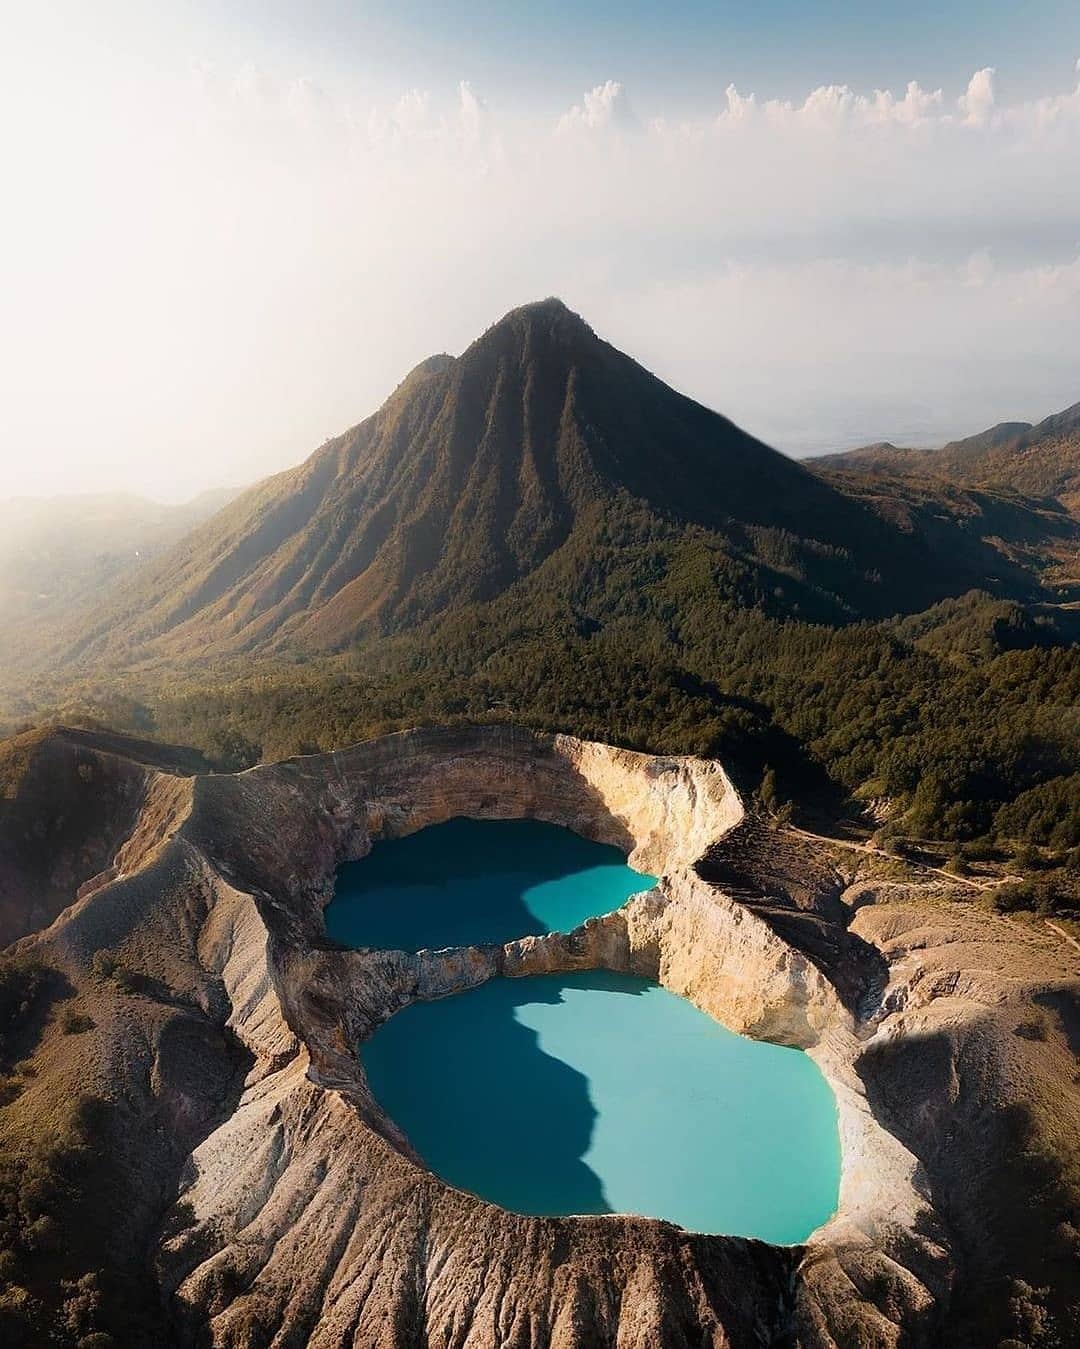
(230, 233)
(911, 435)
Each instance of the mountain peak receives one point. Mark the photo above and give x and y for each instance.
(546, 310)
(548, 319)
(428, 367)
(433, 365)
(476, 473)
(1069, 420)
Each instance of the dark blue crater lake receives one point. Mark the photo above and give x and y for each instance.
(595, 1092)
(468, 882)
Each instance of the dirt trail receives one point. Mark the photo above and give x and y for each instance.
(1062, 933)
(981, 886)
(874, 851)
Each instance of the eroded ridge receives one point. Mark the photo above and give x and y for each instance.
(299, 1215)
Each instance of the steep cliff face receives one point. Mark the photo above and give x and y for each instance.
(68, 802)
(296, 1212)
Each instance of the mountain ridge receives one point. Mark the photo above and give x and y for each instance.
(1039, 460)
(479, 468)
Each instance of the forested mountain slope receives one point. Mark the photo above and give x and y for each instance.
(541, 531)
(480, 469)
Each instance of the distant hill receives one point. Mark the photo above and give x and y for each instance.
(55, 552)
(540, 441)
(60, 555)
(1038, 461)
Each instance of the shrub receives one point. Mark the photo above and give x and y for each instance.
(233, 752)
(10, 1090)
(44, 1234)
(104, 964)
(1050, 897)
(1042, 897)
(127, 980)
(1031, 1319)
(23, 983)
(74, 1023)
(21, 1321)
(1024, 860)
(1012, 896)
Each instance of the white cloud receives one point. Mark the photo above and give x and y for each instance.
(471, 111)
(258, 256)
(834, 105)
(1050, 113)
(412, 112)
(739, 107)
(602, 107)
(977, 103)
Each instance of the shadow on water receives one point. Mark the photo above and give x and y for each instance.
(470, 882)
(598, 1092)
(483, 1104)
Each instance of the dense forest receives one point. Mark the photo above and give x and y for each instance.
(542, 531)
(959, 724)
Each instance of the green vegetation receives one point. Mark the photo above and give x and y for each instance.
(107, 966)
(59, 1285)
(1045, 896)
(1048, 813)
(967, 751)
(541, 531)
(39, 1193)
(75, 1023)
(1039, 461)
(26, 987)
(104, 964)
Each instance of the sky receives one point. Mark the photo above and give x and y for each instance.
(229, 230)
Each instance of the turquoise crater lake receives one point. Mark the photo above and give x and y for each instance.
(595, 1092)
(470, 882)
(589, 1092)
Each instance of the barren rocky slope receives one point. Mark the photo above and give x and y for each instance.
(68, 801)
(244, 1189)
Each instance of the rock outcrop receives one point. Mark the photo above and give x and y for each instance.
(69, 800)
(279, 1205)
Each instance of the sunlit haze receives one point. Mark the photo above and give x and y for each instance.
(230, 230)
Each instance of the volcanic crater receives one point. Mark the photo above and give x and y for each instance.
(281, 1205)
(352, 1181)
